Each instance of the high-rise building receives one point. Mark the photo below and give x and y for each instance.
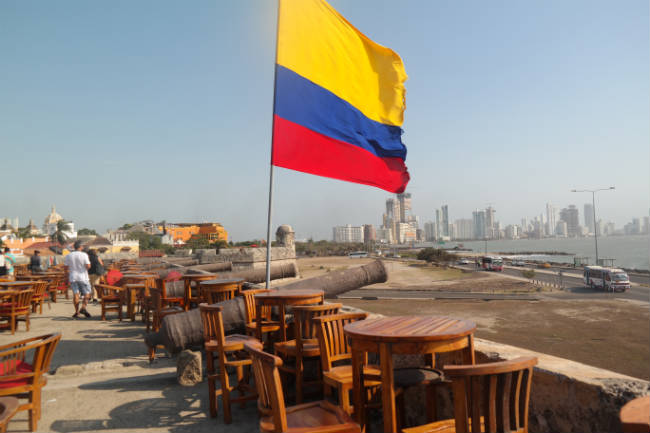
(512, 231)
(589, 217)
(464, 229)
(404, 200)
(348, 234)
(385, 235)
(445, 220)
(551, 222)
(646, 225)
(478, 218)
(571, 216)
(369, 233)
(561, 229)
(429, 231)
(438, 223)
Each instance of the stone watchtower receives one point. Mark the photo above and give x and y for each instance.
(285, 236)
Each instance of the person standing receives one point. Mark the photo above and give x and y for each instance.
(10, 260)
(95, 272)
(35, 262)
(77, 264)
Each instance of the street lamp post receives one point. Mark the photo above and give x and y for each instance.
(593, 206)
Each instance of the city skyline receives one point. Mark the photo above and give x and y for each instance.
(127, 111)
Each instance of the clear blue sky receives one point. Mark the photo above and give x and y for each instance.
(119, 111)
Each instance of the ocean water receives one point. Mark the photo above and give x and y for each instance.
(630, 252)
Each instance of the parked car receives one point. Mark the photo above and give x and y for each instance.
(463, 262)
(518, 263)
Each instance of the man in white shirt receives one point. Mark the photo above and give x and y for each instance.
(77, 264)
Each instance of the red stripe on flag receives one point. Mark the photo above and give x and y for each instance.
(299, 148)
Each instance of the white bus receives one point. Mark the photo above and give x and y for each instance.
(610, 279)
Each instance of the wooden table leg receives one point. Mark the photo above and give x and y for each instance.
(188, 293)
(358, 389)
(387, 390)
(130, 303)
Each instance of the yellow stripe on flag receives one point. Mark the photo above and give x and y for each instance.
(317, 43)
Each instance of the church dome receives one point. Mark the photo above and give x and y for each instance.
(53, 217)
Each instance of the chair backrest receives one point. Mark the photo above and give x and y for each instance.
(304, 325)
(22, 299)
(331, 338)
(43, 347)
(270, 400)
(249, 304)
(40, 287)
(212, 320)
(212, 295)
(496, 393)
(107, 290)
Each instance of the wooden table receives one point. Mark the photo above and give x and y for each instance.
(402, 335)
(635, 415)
(187, 280)
(131, 289)
(283, 298)
(16, 285)
(231, 286)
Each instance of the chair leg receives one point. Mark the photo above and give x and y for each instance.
(225, 394)
(212, 396)
(35, 398)
(13, 325)
(344, 397)
(27, 321)
(299, 379)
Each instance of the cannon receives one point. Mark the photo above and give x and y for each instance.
(180, 331)
(210, 267)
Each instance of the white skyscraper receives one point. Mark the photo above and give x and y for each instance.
(551, 220)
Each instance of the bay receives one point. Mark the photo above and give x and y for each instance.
(631, 252)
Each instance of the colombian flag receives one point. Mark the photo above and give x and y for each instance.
(339, 99)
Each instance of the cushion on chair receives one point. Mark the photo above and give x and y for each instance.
(15, 367)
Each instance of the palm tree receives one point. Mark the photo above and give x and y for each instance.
(59, 234)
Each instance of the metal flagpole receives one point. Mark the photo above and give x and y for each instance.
(268, 224)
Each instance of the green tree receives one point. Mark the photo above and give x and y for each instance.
(435, 255)
(59, 234)
(528, 273)
(86, 232)
(126, 227)
(23, 232)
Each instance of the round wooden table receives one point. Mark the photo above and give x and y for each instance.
(635, 415)
(223, 289)
(402, 335)
(188, 279)
(283, 298)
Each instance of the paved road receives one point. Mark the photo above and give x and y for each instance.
(574, 286)
(372, 294)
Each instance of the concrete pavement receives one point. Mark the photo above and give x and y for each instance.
(102, 381)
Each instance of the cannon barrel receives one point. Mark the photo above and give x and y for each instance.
(210, 267)
(179, 331)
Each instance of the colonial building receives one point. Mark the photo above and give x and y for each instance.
(50, 225)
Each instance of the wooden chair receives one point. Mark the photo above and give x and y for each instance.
(15, 306)
(171, 293)
(334, 349)
(228, 350)
(268, 325)
(305, 346)
(40, 294)
(159, 311)
(111, 299)
(52, 285)
(315, 417)
(19, 377)
(8, 407)
(491, 398)
(213, 295)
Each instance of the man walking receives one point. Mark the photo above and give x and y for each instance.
(77, 264)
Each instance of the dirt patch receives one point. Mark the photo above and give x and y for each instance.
(611, 334)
